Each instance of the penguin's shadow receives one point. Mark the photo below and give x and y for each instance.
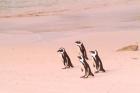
(89, 77)
(100, 73)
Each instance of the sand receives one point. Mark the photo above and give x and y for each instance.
(29, 62)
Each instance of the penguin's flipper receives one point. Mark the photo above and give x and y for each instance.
(102, 70)
(82, 69)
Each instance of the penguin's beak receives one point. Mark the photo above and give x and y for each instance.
(91, 51)
(79, 57)
(77, 42)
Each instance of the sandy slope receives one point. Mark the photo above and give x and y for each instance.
(34, 66)
(29, 62)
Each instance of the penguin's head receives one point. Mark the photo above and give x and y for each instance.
(94, 53)
(79, 57)
(78, 43)
(61, 50)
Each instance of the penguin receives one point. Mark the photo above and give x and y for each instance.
(66, 59)
(98, 63)
(88, 71)
(82, 49)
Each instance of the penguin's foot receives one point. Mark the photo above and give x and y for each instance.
(86, 77)
(92, 74)
(68, 67)
(71, 66)
(64, 68)
(96, 71)
(82, 76)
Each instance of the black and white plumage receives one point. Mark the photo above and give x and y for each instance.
(98, 63)
(82, 49)
(86, 67)
(66, 59)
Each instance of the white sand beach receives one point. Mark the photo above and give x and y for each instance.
(29, 62)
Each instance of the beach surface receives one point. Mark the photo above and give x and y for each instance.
(29, 61)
